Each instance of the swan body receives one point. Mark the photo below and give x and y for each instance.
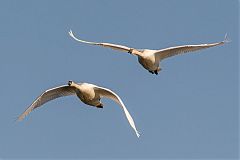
(88, 93)
(150, 59)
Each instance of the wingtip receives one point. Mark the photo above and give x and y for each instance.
(138, 134)
(70, 33)
(226, 39)
(18, 119)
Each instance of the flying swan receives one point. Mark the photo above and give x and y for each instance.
(88, 93)
(150, 59)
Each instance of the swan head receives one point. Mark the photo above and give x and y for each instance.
(137, 52)
(70, 83)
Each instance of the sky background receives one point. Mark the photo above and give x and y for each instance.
(190, 110)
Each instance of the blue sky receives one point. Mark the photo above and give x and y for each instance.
(190, 110)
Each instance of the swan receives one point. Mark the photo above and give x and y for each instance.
(89, 94)
(150, 59)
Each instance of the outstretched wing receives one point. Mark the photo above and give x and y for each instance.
(104, 92)
(172, 51)
(46, 96)
(108, 45)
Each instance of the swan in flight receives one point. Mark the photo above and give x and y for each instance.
(88, 93)
(150, 59)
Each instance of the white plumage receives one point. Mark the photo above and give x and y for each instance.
(150, 59)
(88, 93)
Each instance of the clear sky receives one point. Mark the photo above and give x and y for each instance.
(190, 110)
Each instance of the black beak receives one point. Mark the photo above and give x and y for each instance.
(69, 83)
(130, 51)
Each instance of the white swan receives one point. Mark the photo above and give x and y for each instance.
(88, 93)
(150, 59)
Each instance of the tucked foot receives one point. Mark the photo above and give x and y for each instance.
(151, 72)
(100, 105)
(156, 72)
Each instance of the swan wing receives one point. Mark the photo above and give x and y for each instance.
(107, 93)
(107, 45)
(46, 96)
(177, 50)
